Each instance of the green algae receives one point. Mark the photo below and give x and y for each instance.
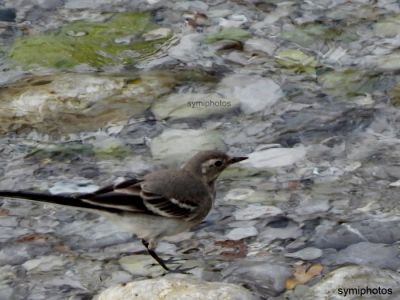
(62, 152)
(395, 96)
(89, 43)
(229, 33)
(297, 61)
(349, 82)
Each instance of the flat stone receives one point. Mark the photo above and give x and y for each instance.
(275, 157)
(241, 233)
(309, 253)
(192, 105)
(256, 211)
(255, 93)
(178, 145)
(44, 263)
(176, 289)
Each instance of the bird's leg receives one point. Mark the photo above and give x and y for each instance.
(155, 256)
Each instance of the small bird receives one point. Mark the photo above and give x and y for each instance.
(162, 203)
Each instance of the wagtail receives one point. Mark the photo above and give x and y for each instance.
(160, 204)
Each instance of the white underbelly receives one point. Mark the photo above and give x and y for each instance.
(148, 227)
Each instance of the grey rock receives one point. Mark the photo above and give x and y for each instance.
(308, 253)
(176, 288)
(340, 280)
(265, 276)
(368, 254)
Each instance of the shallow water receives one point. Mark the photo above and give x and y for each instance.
(91, 94)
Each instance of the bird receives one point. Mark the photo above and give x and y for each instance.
(160, 204)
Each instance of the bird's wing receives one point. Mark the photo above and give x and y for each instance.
(130, 196)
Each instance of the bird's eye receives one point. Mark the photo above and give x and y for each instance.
(218, 163)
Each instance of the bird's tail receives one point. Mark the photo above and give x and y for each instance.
(65, 200)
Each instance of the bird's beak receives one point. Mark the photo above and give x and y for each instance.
(233, 160)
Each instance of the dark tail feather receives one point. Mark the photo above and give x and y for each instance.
(64, 200)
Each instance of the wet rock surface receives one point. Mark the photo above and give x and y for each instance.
(95, 92)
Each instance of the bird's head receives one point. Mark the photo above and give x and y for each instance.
(210, 164)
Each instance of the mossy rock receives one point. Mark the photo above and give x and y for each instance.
(62, 152)
(349, 82)
(89, 43)
(395, 95)
(297, 61)
(229, 33)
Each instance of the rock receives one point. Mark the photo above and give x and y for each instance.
(76, 185)
(176, 289)
(260, 45)
(296, 60)
(178, 145)
(229, 33)
(57, 49)
(275, 157)
(265, 276)
(290, 231)
(370, 254)
(337, 283)
(336, 236)
(255, 211)
(157, 34)
(255, 93)
(141, 264)
(187, 49)
(191, 105)
(308, 253)
(44, 263)
(63, 99)
(241, 233)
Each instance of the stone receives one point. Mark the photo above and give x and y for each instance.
(370, 254)
(178, 145)
(241, 233)
(176, 289)
(309, 253)
(141, 264)
(44, 263)
(275, 157)
(192, 105)
(255, 93)
(337, 283)
(256, 211)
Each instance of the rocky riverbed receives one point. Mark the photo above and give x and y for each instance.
(94, 92)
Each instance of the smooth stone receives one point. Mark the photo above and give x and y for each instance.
(187, 49)
(336, 236)
(255, 93)
(262, 45)
(177, 145)
(156, 34)
(180, 288)
(340, 280)
(141, 264)
(255, 211)
(291, 231)
(265, 275)
(76, 185)
(371, 254)
(44, 263)
(308, 253)
(275, 157)
(192, 105)
(241, 233)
